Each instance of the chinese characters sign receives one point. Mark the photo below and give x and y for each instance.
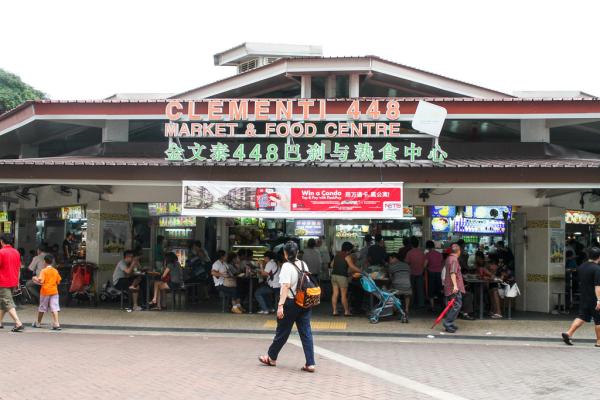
(313, 152)
(280, 200)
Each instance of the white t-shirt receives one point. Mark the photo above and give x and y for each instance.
(219, 267)
(273, 268)
(289, 274)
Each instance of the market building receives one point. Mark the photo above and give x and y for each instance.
(216, 163)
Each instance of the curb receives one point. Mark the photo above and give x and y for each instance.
(318, 333)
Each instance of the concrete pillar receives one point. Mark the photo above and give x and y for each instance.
(29, 151)
(108, 223)
(330, 87)
(305, 86)
(25, 229)
(534, 130)
(544, 269)
(115, 131)
(354, 85)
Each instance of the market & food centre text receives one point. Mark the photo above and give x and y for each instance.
(184, 118)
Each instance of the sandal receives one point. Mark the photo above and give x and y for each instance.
(348, 315)
(155, 308)
(266, 360)
(335, 314)
(567, 339)
(308, 368)
(19, 328)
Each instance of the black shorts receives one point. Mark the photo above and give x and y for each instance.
(587, 312)
(124, 283)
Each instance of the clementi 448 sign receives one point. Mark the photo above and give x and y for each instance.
(297, 118)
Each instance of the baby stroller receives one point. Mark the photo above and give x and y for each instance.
(82, 283)
(387, 302)
(110, 292)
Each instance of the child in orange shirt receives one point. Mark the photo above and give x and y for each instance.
(49, 278)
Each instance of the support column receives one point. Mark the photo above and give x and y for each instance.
(25, 229)
(330, 87)
(534, 130)
(108, 235)
(305, 86)
(544, 273)
(354, 85)
(115, 131)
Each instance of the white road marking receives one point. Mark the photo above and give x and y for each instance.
(382, 374)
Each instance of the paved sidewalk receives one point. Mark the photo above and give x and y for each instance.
(534, 326)
(56, 365)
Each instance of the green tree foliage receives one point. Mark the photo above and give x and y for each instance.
(13, 91)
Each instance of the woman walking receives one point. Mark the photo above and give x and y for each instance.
(288, 312)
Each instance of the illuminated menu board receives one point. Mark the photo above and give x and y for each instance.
(158, 209)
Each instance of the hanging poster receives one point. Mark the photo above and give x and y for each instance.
(114, 236)
(557, 242)
(279, 200)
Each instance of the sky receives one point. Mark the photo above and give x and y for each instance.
(91, 50)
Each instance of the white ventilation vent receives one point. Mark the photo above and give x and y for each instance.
(248, 65)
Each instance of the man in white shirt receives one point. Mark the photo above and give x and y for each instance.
(36, 266)
(264, 294)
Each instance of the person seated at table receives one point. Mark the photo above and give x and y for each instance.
(124, 277)
(270, 289)
(400, 277)
(171, 278)
(224, 275)
(488, 273)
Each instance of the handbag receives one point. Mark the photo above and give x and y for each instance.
(512, 291)
(229, 281)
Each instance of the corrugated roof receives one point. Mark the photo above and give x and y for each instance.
(452, 163)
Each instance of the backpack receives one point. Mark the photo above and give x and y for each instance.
(308, 292)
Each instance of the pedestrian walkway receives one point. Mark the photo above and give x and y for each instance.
(526, 326)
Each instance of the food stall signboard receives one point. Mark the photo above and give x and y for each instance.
(3, 216)
(443, 211)
(483, 226)
(488, 212)
(158, 209)
(321, 200)
(309, 227)
(73, 212)
(176, 222)
(580, 217)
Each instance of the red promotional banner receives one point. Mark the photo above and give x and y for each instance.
(361, 199)
(314, 200)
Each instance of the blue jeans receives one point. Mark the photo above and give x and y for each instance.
(264, 296)
(453, 311)
(418, 285)
(301, 316)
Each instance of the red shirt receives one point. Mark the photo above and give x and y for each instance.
(415, 258)
(452, 266)
(434, 261)
(10, 264)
